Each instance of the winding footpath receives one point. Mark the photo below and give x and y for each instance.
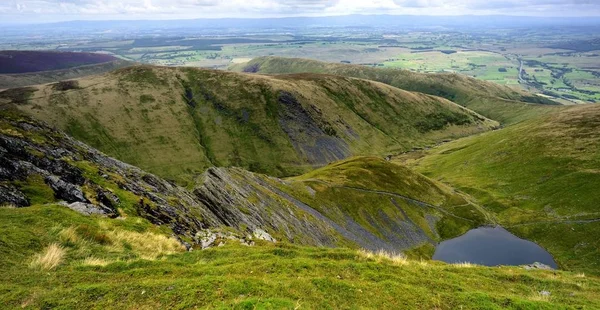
(405, 198)
(556, 222)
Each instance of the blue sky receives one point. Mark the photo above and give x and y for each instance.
(55, 10)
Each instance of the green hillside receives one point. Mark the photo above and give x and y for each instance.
(272, 191)
(380, 205)
(43, 77)
(539, 177)
(54, 257)
(176, 122)
(395, 209)
(390, 200)
(498, 102)
(68, 261)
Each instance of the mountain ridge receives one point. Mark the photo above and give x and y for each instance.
(498, 102)
(282, 125)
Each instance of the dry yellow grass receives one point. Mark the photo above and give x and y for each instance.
(69, 235)
(382, 255)
(93, 261)
(464, 265)
(540, 296)
(50, 258)
(147, 245)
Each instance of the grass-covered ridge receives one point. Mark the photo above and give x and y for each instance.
(35, 78)
(394, 209)
(539, 177)
(403, 210)
(176, 122)
(498, 102)
(100, 270)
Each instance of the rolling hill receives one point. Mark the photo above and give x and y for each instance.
(176, 122)
(498, 102)
(540, 178)
(41, 166)
(12, 62)
(53, 76)
(80, 229)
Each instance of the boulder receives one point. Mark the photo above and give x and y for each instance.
(65, 191)
(10, 195)
(89, 209)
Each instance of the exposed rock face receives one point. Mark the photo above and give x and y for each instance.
(318, 145)
(228, 204)
(64, 190)
(90, 209)
(537, 265)
(32, 151)
(238, 199)
(9, 195)
(225, 199)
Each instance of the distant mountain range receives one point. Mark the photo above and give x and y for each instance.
(369, 21)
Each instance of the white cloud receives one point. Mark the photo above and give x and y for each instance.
(152, 9)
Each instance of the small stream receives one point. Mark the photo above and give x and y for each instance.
(492, 246)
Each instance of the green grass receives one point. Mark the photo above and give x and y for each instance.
(498, 102)
(268, 276)
(176, 122)
(36, 190)
(483, 65)
(36, 78)
(372, 192)
(537, 177)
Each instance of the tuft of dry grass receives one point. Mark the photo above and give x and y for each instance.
(382, 255)
(464, 265)
(147, 245)
(94, 261)
(540, 296)
(68, 235)
(580, 275)
(50, 258)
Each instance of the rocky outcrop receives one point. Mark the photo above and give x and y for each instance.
(64, 190)
(35, 159)
(90, 209)
(318, 143)
(10, 195)
(80, 178)
(239, 200)
(42, 165)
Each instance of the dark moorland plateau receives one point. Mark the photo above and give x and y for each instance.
(130, 177)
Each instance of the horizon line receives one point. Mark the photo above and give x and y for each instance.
(291, 17)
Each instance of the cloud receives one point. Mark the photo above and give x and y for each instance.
(152, 9)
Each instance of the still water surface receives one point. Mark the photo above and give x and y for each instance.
(492, 246)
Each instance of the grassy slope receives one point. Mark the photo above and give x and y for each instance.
(176, 122)
(370, 191)
(125, 274)
(245, 200)
(540, 177)
(495, 101)
(35, 78)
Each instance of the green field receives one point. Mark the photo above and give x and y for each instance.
(483, 65)
(538, 177)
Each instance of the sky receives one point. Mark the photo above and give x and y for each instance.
(60, 10)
